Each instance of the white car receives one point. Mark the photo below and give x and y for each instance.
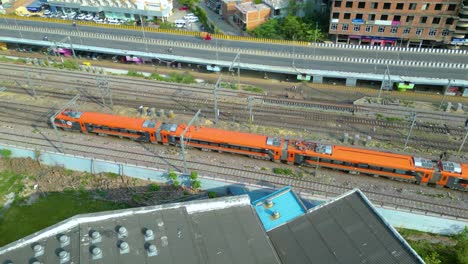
(97, 19)
(191, 15)
(64, 16)
(180, 23)
(71, 15)
(89, 17)
(81, 16)
(47, 12)
(192, 19)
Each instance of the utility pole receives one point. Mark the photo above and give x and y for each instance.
(445, 93)
(413, 122)
(215, 95)
(143, 32)
(466, 136)
(104, 90)
(250, 105)
(315, 39)
(237, 58)
(386, 81)
(29, 82)
(70, 103)
(182, 140)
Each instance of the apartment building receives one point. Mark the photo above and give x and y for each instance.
(249, 15)
(394, 22)
(460, 36)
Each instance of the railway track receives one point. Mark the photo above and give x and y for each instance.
(226, 172)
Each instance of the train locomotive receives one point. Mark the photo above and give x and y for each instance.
(353, 160)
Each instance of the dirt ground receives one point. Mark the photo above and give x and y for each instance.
(38, 179)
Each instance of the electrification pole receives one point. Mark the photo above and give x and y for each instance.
(104, 89)
(215, 95)
(182, 140)
(413, 115)
(52, 118)
(445, 94)
(249, 101)
(386, 81)
(466, 136)
(237, 58)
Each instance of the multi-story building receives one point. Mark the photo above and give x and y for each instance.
(394, 22)
(249, 15)
(460, 36)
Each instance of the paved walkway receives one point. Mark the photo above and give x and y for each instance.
(219, 22)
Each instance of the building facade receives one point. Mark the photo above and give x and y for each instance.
(460, 36)
(249, 15)
(394, 23)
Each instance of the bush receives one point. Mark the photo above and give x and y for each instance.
(283, 171)
(71, 65)
(212, 195)
(153, 187)
(172, 175)
(193, 175)
(135, 74)
(181, 78)
(196, 185)
(175, 183)
(5, 153)
(253, 89)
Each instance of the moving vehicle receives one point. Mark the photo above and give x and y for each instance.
(402, 167)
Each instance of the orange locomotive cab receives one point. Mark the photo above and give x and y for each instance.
(425, 171)
(168, 133)
(453, 175)
(69, 120)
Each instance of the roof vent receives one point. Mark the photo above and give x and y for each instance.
(152, 250)
(64, 240)
(124, 247)
(269, 203)
(38, 250)
(122, 231)
(96, 253)
(95, 237)
(149, 235)
(276, 215)
(64, 256)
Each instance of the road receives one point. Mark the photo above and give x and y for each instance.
(319, 58)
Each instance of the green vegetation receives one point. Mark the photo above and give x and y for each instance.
(166, 25)
(196, 184)
(428, 246)
(47, 211)
(388, 118)
(212, 195)
(112, 175)
(253, 89)
(173, 77)
(71, 65)
(232, 86)
(283, 171)
(153, 187)
(5, 153)
(292, 27)
(10, 182)
(193, 175)
(175, 183)
(135, 74)
(172, 175)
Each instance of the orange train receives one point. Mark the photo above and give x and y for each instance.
(354, 160)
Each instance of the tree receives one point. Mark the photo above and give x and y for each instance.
(461, 248)
(292, 28)
(267, 30)
(196, 185)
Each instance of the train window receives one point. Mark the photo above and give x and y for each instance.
(348, 164)
(374, 168)
(326, 160)
(444, 178)
(337, 162)
(363, 166)
(400, 171)
(387, 170)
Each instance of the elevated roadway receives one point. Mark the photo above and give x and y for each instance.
(426, 66)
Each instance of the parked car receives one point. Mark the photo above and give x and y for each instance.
(71, 15)
(81, 16)
(183, 8)
(64, 16)
(180, 23)
(47, 13)
(89, 17)
(192, 19)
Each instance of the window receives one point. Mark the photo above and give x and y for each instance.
(399, 6)
(423, 20)
(334, 26)
(396, 18)
(436, 20)
(387, 5)
(336, 15)
(419, 31)
(358, 16)
(374, 5)
(383, 17)
(337, 3)
(412, 6)
(432, 32)
(381, 29)
(449, 21)
(438, 7)
(452, 7)
(368, 28)
(406, 30)
(371, 17)
(347, 15)
(344, 27)
(425, 6)
(393, 30)
(357, 28)
(409, 19)
(445, 32)
(349, 4)
(362, 5)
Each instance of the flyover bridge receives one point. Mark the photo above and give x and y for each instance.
(420, 66)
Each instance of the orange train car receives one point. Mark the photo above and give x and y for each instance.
(355, 160)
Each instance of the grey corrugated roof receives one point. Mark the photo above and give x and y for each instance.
(347, 230)
(224, 230)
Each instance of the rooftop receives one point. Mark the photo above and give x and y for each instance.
(344, 230)
(249, 7)
(276, 4)
(278, 208)
(223, 230)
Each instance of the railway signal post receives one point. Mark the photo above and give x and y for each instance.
(182, 142)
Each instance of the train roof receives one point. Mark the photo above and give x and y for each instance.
(226, 136)
(117, 121)
(383, 159)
